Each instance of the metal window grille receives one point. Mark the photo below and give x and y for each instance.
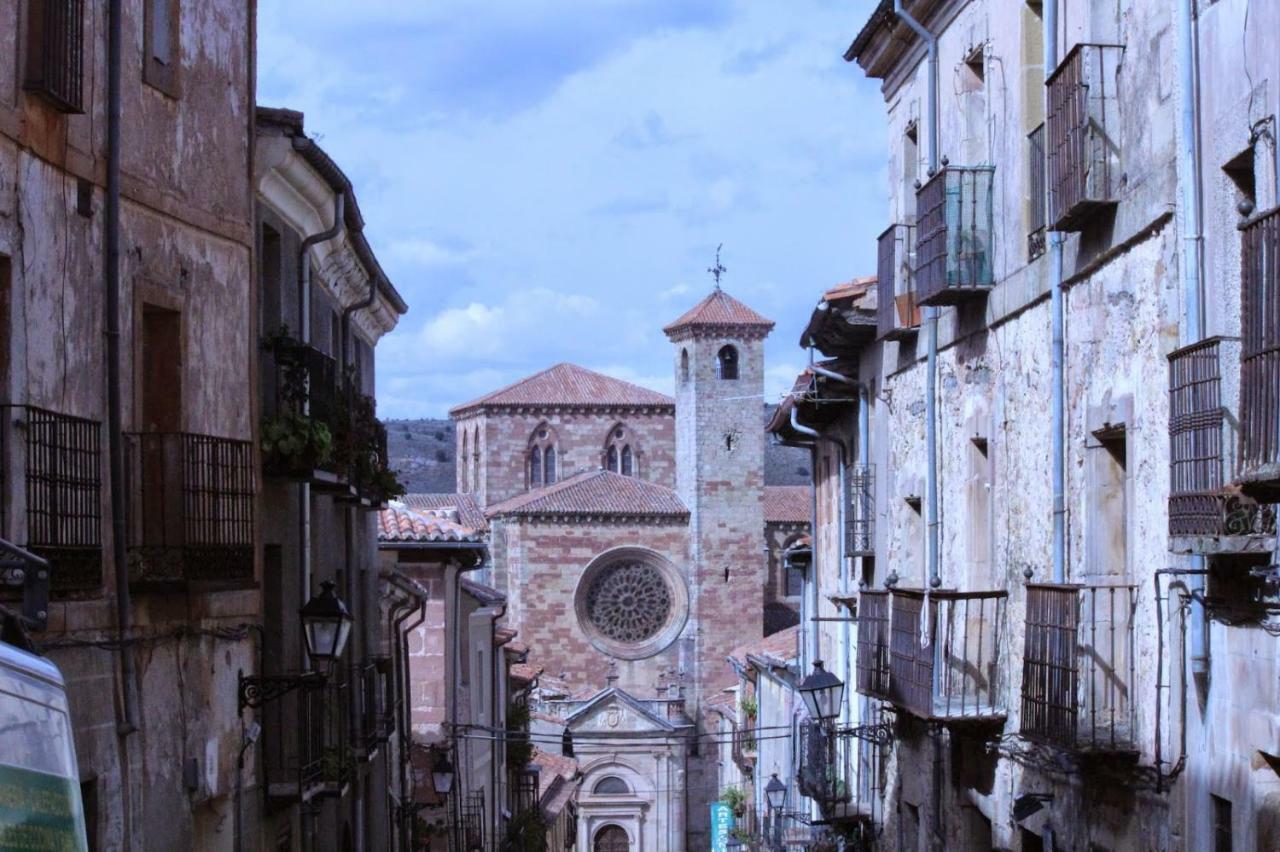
(1260, 346)
(897, 314)
(55, 52)
(952, 671)
(305, 381)
(841, 771)
(62, 475)
(873, 644)
(192, 508)
(472, 834)
(1036, 185)
(1079, 667)
(954, 248)
(293, 743)
(1082, 155)
(860, 506)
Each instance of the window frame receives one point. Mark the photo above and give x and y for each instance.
(727, 363)
(157, 73)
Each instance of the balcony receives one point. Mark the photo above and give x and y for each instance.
(1259, 472)
(191, 510)
(955, 248)
(873, 644)
(469, 833)
(1078, 668)
(377, 719)
(301, 403)
(841, 770)
(305, 753)
(951, 673)
(1083, 151)
(51, 492)
(897, 314)
(744, 748)
(360, 448)
(1205, 515)
(55, 53)
(1036, 187)
(860, 510)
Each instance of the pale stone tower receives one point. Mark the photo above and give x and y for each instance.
(719, 364)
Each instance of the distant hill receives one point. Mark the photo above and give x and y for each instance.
(422, 454)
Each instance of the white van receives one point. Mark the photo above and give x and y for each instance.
(40, 808)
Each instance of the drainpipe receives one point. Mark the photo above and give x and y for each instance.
(864, 460)
(1057, 400)
(931, 322)
(115, 409)
(1192, 275)
(808, 627)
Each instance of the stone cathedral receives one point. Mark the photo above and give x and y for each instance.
(628, 531)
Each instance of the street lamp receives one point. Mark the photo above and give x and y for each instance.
(326, 624)
(775, 794)
(822, 693)
(442, 775)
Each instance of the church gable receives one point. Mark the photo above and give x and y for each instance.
(615, 711)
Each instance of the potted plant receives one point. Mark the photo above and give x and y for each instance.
(749, 706)
(736, 798)
(295, 443)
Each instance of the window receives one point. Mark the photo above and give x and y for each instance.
(910, 171)
(466, 454)
(1221, 824)
(1243, 181)
(542, 457)
(1106, 500)
(55, 56)
(271, 315)
(618, 455)
(793, 583)
(684, 365)
(161, 370)
(626, 461)
(629, 601)
(611, 785)
(475, 459)
(5, 335)
(1036, 199)
(162, 56)
(727, 363)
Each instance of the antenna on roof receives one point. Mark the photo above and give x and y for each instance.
(719, 269)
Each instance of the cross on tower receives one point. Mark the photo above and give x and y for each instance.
(719, 269)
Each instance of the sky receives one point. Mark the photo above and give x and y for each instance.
(548, 180)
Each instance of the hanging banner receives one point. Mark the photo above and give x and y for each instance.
(721, 826)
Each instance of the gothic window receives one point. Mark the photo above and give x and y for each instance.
(684, 365)
(612, 838)
(618, 455)
(611, 785)
(629, 602)
(727, 363)
(542, 457)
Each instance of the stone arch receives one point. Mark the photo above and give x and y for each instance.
(727, 362)
(611, 785)
(611, 837)
(621, 451)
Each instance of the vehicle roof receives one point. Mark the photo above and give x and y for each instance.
(17, 659)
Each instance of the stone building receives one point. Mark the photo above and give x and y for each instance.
(1067, 614)
(632, 538)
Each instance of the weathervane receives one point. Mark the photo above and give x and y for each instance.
(717, 270)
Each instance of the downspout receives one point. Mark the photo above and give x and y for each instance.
(1192, 278)
(810, 646)
(115, 408)
(401, 631)
(931, 321)
(1057, 400)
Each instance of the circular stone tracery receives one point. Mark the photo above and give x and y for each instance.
(629, 602)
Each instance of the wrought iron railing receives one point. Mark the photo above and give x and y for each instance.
(745, 745)
(860, 510)
(56, 462)
(944, 660)
(873, 644)
(1079, 667)
(1036, 188)
(1202, 444)
(376, 720)
(955, 249)
(1083, 155)
(293, 742)
(191, 508)
(1260, 353)
(470, 834)
(302, 406)
(55, 52)
(840, 769)
(897, 314)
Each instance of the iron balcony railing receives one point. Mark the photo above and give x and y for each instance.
(55, 52)
(955, 249)
(1260, 355)
(1083, 151)
(377, 720)
(51, 491)
(897, 314)
(944, 661)
(1037, 189)
(301, 405)
(191, 502)
(860, 510)
(305, 748)
(873, 644)
(470, 834)
(744, 748)
(1079, 667)
(841, 771)
(1203, 394)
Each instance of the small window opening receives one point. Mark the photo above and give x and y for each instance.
(1221, 824)
(1240, 170)
(626, 461)
(611, 785)
(684, 365)
(727, 363)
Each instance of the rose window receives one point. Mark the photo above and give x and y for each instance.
(629, 602)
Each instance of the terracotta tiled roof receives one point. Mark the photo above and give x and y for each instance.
(787, 504)
(596, 492)
(503, 635)
(778, 648)
(400, 523)
(569, 386)
(553, 766)
(469, 512)
(850, 289)
(524, 672)
(719, 310)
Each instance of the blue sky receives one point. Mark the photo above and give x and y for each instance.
(547, 180)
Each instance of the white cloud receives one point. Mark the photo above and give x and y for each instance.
(425, 252)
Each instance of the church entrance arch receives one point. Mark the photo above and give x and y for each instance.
(611, 838)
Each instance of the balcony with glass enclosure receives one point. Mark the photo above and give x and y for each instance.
(955, 252)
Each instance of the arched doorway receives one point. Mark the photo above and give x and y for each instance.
(611, 838)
